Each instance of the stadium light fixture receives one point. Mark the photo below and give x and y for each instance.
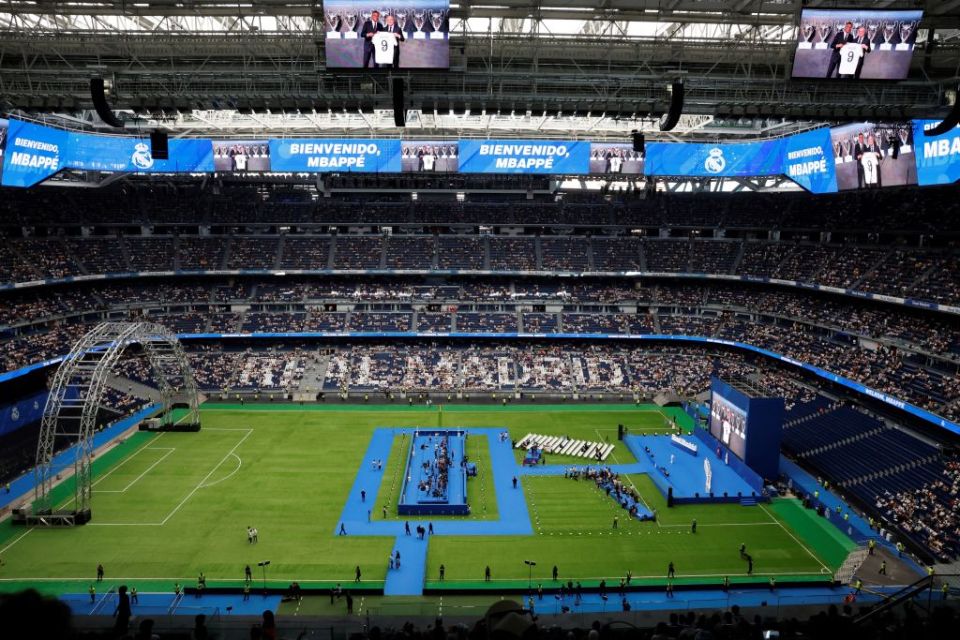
(263, 565)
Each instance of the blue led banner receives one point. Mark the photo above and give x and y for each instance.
(36, 152)
(809, 161)
(821, 161)
(524, 156)
(323, 155)
(24, 412)
(938, 159)
(33, 153)
(714, 160)
(132, 155)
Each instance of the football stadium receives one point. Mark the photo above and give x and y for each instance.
(432, 319)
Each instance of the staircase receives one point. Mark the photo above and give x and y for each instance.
(748, 501)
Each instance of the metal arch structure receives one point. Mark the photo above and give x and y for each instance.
(77, 388)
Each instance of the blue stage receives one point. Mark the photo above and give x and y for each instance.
(435, 480)
(674, 468)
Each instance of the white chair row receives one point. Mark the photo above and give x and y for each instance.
(566, 446)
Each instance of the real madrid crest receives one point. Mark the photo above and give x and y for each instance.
(141, 157)
(715, 162)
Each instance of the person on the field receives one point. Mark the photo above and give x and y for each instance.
(883, 568)
(93, 594)
(670, 570)
(247, 574)
(693, 526)
(134, 598)
(486, 574)
(556, 572)
(443, 572)
(256, 535)
(99, 573)
(343, 530)
(357, 574)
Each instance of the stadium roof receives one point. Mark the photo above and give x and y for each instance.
(519, 68)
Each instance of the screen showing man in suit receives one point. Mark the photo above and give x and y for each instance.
(405, 34)
(241, 155)
(856, 44)
(615, 157)
(870, 155)
(429, 156)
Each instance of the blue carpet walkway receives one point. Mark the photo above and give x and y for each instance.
(356, 518)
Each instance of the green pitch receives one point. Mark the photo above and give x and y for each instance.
(168, 506)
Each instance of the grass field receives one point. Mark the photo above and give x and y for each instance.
(168, 506)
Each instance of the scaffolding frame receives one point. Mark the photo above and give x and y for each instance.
(76, 393)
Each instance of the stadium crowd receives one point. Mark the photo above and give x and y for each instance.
(929, 512)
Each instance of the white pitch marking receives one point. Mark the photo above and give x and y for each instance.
(228, 476)
(802, 546)
(168, 450)
(19, 538)
(207, 477)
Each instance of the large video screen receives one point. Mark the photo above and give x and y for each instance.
(728, 424)
(241, 155)
(615, 157)
(430, 156)
(855, 44)
(397, 34)
(870, 155)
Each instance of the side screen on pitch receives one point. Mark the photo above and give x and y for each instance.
(855, 44)
(400, 34)
(728, 424)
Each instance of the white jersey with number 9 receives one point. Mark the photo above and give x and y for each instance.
(384, 44)
(850, 56)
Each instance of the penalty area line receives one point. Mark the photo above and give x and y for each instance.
(207, 477)
(19, 538)
(146, 471)
(228, 476)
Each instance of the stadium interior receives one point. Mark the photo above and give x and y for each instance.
(637, 393)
